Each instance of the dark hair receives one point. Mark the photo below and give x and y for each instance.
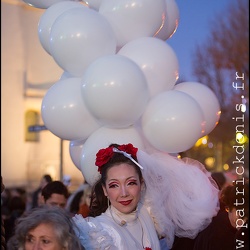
(219, 178)
(99, 202)
(75, 203)
(238, 192)
(54, 187)
(47, 178)
(16, 203)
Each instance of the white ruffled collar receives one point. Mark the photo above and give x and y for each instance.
(121, 218)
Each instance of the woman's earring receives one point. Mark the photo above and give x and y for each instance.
(108, 201)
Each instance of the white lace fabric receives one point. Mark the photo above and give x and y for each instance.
(181, 195)
(103, 232)
(92, 234)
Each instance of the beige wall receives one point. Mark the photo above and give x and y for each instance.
(23, 163)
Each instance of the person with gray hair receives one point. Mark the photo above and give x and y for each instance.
(45, 227)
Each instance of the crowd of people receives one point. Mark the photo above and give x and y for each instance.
(50, 193)
(141, 201)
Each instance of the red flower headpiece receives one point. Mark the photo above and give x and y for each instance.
(105, 154)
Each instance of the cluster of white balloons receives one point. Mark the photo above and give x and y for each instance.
(119, 80)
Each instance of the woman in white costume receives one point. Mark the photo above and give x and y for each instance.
(141, 198)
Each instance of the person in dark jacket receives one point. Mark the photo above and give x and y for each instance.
(35, 196)
(225, 230)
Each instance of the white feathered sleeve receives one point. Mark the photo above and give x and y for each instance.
(180, 195)
(92, 234)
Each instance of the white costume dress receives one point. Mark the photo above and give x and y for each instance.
(180, 197)
(114, 230)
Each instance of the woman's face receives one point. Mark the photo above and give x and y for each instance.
(86, 198)
(42, 237)
(57, 200)
(123, 187)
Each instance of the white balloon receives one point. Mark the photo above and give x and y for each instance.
(173, 121)
(115, 91)
(49, 16)
(75, 151)
(102, 138)
(207, 100)
(93, 4)
(171, 21)
(64, 112)
(78, 37)
(42, 4)
(132, 19)
(156, 59)
(65, 75)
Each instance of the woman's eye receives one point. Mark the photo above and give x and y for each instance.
(112, 186)
(132, 183)
(45, 241)
(29, 239)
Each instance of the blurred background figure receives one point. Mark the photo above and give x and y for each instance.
(222, 232)
(236, 201)
(219, 235)
(13, 205)
(5, 198)
(220, 179)
(45, 227)
(44, 181)
(55, 193)
(16, 207)
(3, 246)
(73, 202)
(84, 203)
(80, 202)
(67, 180)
